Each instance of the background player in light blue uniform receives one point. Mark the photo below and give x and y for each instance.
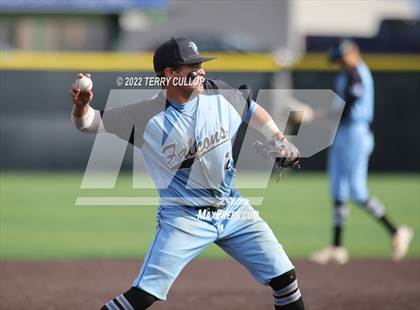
(349, 155)
(186, 135)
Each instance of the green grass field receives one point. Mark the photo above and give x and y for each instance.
(39, 219)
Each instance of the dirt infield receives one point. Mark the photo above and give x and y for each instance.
(204, 284)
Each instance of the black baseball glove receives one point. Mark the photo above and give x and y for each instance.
(284, 153)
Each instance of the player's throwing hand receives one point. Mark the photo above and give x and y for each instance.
(81, 98)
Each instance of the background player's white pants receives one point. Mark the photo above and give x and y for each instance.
(181, 236)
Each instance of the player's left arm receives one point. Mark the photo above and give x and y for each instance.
(264, 123)
(285, 154)
(252, 113)
(247, 110)
(244, 110)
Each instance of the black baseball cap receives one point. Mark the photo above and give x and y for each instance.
(175, 52)
(340, 49)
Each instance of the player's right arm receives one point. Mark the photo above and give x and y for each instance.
(87, 119)
(126, 122)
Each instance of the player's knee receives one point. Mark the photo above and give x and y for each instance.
(359, 193)
(286, 291)
(373, 206)
(134, 298)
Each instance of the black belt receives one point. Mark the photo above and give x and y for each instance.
(210, 208)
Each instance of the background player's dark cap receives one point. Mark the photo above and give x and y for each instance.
(176, 52)
(340, 49)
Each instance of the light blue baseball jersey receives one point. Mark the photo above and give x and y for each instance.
(349, 155)
(188, 152)
(187, 147)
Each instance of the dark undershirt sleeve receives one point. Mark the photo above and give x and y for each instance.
(352, 91)
(128, 122)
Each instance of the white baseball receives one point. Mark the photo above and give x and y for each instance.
(84, 84)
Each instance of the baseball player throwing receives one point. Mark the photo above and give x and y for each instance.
(349, 156)
(186, 134)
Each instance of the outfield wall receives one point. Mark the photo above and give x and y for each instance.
(36, 131)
